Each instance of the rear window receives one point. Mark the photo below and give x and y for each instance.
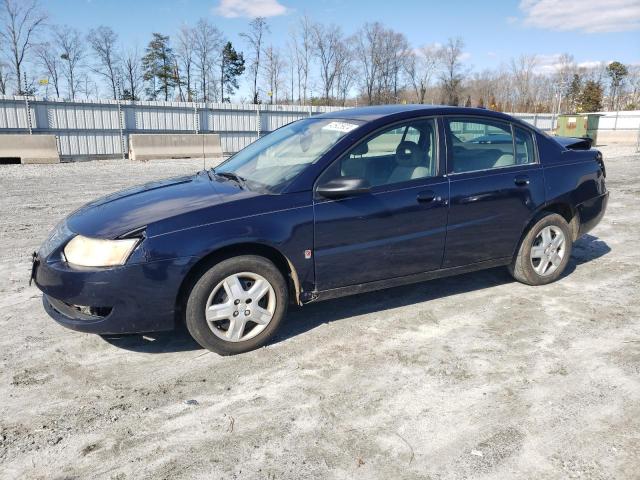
(525, 150)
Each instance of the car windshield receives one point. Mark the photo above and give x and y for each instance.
(271, 162)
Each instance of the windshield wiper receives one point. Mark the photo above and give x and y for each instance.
(232, 176)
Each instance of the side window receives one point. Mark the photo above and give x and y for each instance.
(398, 154)
(480, 145)
(525, 151)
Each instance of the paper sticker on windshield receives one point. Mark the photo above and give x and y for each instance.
(343, 127)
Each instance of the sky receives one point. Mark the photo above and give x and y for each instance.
(493, 31)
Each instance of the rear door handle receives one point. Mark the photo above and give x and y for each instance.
(521, 180)
(428, 196)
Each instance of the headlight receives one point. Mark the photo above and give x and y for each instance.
(57, 237)
(93, 252)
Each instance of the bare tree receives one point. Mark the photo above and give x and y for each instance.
(383, 55)
(565, 68)
(327, 40)
(274, 67)
(132, 73)
(301, 38)
(257, 29)
(72, 51)
(88, 86)
(522, 72)
(484, 86)
(452, 72)
(393, 55)
(186, 57)
(208, 42)
(345, 71)
(332, 51)
(368, 52)
(634, 84)
(3, 78)
(103, 43)
(421, 65)
(48, 56)
(21, 21)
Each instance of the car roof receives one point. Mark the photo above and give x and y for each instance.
(368, 114)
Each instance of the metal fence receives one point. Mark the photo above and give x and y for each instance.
(102, 128)
(89, 129)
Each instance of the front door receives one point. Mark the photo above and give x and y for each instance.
(396, 229)
(496, 185)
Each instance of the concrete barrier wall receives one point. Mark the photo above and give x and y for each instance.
(29, 148)
(169, 145)
(619, 137)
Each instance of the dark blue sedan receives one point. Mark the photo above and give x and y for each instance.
(337, 204)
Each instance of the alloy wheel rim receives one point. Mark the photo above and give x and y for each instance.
(240, 307)
(548, 250)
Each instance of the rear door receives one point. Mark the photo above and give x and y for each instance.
(396, 229)
(496, 183)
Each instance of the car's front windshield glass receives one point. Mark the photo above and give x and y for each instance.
(271, 162)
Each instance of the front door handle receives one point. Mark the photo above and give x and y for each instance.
(521, 180)
(428, 196)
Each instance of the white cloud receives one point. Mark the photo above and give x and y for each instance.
(590, 16)
(546, 64)
(250, 8)
(590, 64)
(549, 64)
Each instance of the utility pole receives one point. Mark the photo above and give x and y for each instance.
(26, 102)
(120, 120)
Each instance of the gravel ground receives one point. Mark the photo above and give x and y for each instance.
(468, 377)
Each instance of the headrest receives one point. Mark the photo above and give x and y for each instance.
(360, 149)
(408, 154)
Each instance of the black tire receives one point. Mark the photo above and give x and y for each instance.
(522, 268)
(198, 296)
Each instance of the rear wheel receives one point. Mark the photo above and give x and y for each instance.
(237, 305)
(544, 252)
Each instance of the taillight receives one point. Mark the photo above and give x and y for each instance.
(600, 161)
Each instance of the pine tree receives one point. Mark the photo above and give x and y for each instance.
(591, 97)
(231, 67)
(158, 66)
(617, 72)
(573, 94)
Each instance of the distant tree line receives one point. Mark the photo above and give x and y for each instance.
(320, 64)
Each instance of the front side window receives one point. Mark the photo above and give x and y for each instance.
(397, 154)
(274, 160)
(486, 144)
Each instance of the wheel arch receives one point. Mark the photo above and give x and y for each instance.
(561, 207)
(280, 260)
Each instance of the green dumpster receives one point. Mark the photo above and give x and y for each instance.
(579, 125)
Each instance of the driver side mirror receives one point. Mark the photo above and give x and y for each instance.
(343, 187)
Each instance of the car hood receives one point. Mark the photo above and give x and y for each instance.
(128, 210)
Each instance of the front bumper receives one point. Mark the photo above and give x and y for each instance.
(591, 212)
(134, 298)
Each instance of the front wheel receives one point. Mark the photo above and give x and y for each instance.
(237, 305)
(544, 252)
